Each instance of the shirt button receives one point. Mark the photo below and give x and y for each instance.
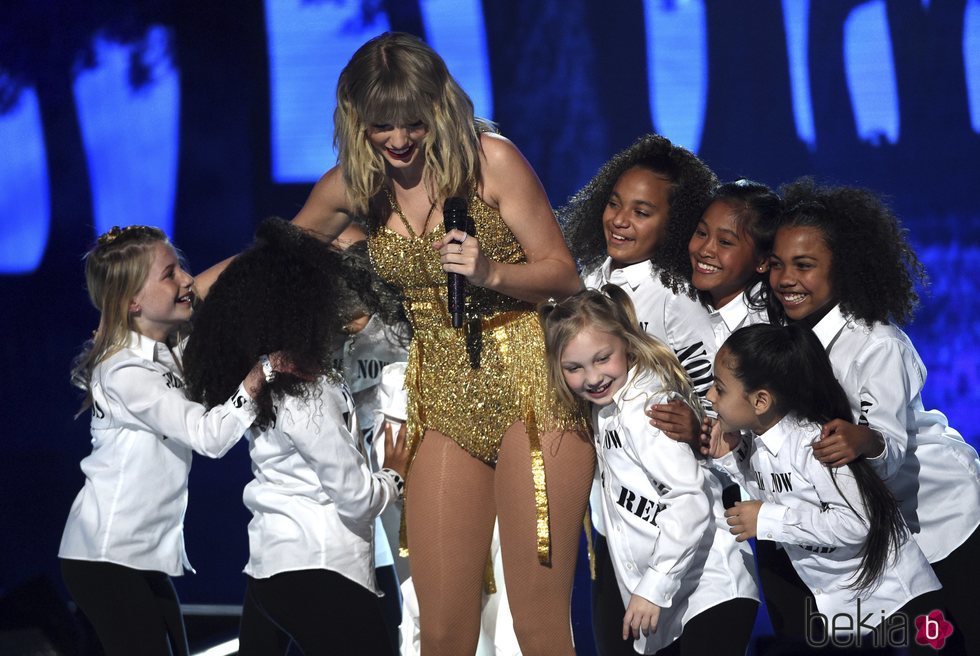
(769, 535)
(817, 591)
(629, 566)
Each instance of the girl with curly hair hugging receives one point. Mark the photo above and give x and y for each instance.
(841, 265)
(313, 499)
(630, 226)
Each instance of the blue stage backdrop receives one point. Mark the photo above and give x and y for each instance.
(204, 117)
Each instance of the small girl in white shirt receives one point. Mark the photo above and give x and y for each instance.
(841, 528)
(314, 498)
(678, 573)
(124, 537)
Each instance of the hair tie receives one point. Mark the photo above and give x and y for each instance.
(115, 232)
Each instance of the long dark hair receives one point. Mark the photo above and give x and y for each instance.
(281, 294)
(791, 363)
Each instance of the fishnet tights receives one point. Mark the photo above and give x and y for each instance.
(451, 504)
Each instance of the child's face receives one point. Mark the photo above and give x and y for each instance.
(722, 256)
(164, 302)
(635, 218)
(595, 365)
(799, 271)
(729, 397)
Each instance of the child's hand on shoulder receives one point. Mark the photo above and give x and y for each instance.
(743, 518)
(716, 443)
(641, 616)
(396, 449)
(842, 442)
(677, 421)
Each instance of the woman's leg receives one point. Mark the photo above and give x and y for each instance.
(540, 595)
(132, 611)
(449, 508)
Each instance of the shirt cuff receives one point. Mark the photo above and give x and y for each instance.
(242, 405)
(396, 480)
(770, 522)
(657, 588)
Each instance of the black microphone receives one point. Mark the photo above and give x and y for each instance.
(454, 217)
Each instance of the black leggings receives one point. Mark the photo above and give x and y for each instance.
(783, 589)
(132, 611)
(733, 619)
(323, 612)
(959, 573)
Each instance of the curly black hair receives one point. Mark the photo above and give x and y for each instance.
(692, 183)
(282, 294)
(874, 270)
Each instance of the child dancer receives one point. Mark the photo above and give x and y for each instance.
(842, 528)
(729, 254)
(314, 499)
(124, 536)
(629, 226)
(841, 264)
(677, 572)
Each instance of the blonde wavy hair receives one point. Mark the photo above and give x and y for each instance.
(609, 311)
(396, 79)
(115, 270)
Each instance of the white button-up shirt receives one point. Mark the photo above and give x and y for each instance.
(131, 509)
(676, 320)
(823, 526)
(734, 315)
(667, 539)
(314, 499)
(931, 470)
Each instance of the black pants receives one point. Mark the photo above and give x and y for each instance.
(132, 611)
(733, 619)
(322, 611)
(959, 572)
(785, 593)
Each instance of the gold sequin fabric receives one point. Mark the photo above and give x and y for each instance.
(474, 407)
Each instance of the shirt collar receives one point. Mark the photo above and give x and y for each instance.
(830, 326)
(733, 313)
(634, 274)
(774, 438)
(144, 346)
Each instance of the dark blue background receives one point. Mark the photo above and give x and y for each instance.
(892, 102)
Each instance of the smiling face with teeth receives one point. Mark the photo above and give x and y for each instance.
(800, 271)
(164, 302)
(400, 145)
(595, 364)
(635, 218)
(723, 256)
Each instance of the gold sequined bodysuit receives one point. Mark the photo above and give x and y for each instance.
(472, 406)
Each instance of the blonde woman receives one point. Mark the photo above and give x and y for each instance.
(487, 436)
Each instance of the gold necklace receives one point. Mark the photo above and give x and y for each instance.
(398, 210)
